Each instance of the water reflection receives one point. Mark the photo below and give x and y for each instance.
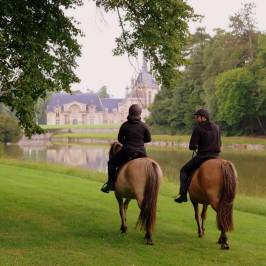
(250, 165)
(92, 157)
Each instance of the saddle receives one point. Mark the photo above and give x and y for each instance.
(134, 156)
(203, 160)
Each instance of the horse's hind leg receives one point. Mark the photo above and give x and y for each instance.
(126, 202)
(148, 234)
(148, 237)
(203, 218)
(223, 238)
(123, 227)
(197, 217)
(223, 241)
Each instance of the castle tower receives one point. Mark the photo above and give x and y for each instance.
(145, 87)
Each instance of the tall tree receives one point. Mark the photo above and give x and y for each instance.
(38, 45)
(243, 25)
(221, 54)
(102, 92)
(259, 69)
(235, 98)
(38, 48)
(159, 28)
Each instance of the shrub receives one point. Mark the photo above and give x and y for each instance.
(9, 129)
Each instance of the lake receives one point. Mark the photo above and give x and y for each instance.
(249, 164)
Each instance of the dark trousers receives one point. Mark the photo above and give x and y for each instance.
(119, 159)
(189, 168)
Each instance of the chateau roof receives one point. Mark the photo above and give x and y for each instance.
(65, 98)
(110, 103)
(145, 79)
(59, 99)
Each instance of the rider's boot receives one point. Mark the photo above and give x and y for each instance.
(181, 198)
(107, 187)
(183, 188)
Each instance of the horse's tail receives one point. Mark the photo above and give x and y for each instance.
(225, 207)
(147, 216)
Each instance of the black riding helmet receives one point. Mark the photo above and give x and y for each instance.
(203, 112)
(134, 110)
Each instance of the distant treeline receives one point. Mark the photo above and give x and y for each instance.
(226, 74)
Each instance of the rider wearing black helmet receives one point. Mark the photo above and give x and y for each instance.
(206, 140)
(132, 134)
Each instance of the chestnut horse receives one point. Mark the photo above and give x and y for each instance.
(214, 183)
(138, 179)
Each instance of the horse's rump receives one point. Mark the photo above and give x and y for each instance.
(207, 181)
(132, 176)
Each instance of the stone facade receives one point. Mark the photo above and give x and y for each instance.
(88, 108)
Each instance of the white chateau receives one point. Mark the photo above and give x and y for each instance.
(88, 108)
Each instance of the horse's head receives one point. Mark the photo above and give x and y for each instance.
(115, 148)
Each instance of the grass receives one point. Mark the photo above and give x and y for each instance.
(54, 215)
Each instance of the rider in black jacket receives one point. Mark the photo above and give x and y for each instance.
(206, 140)
(132, 134)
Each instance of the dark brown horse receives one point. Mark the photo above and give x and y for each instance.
(138, 179)
(214, 183)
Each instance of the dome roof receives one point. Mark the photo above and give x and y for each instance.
(145, 79)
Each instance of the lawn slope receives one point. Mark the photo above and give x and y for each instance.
(52, 215)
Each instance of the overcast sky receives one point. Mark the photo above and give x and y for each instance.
(98, 66)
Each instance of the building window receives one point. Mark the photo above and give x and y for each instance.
(66, 119)
(75, 121)
(91, 120)
(75, 108)
(122, 117)
(84, 119)
(149, 101)
(57, 114)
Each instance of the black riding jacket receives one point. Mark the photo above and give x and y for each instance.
(206, 138)
(133, 134)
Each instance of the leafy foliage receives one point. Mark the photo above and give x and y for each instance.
(9, 129)
(38, 45)
(226, 74)
(38, 48)
(235, 96)
(159, 28)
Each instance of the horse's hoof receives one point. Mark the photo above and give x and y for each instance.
(225, 247)
(150, 242)
(219, 242)
(123, 229)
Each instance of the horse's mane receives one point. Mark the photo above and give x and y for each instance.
(115, 147)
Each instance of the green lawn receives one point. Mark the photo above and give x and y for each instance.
(54, 215)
